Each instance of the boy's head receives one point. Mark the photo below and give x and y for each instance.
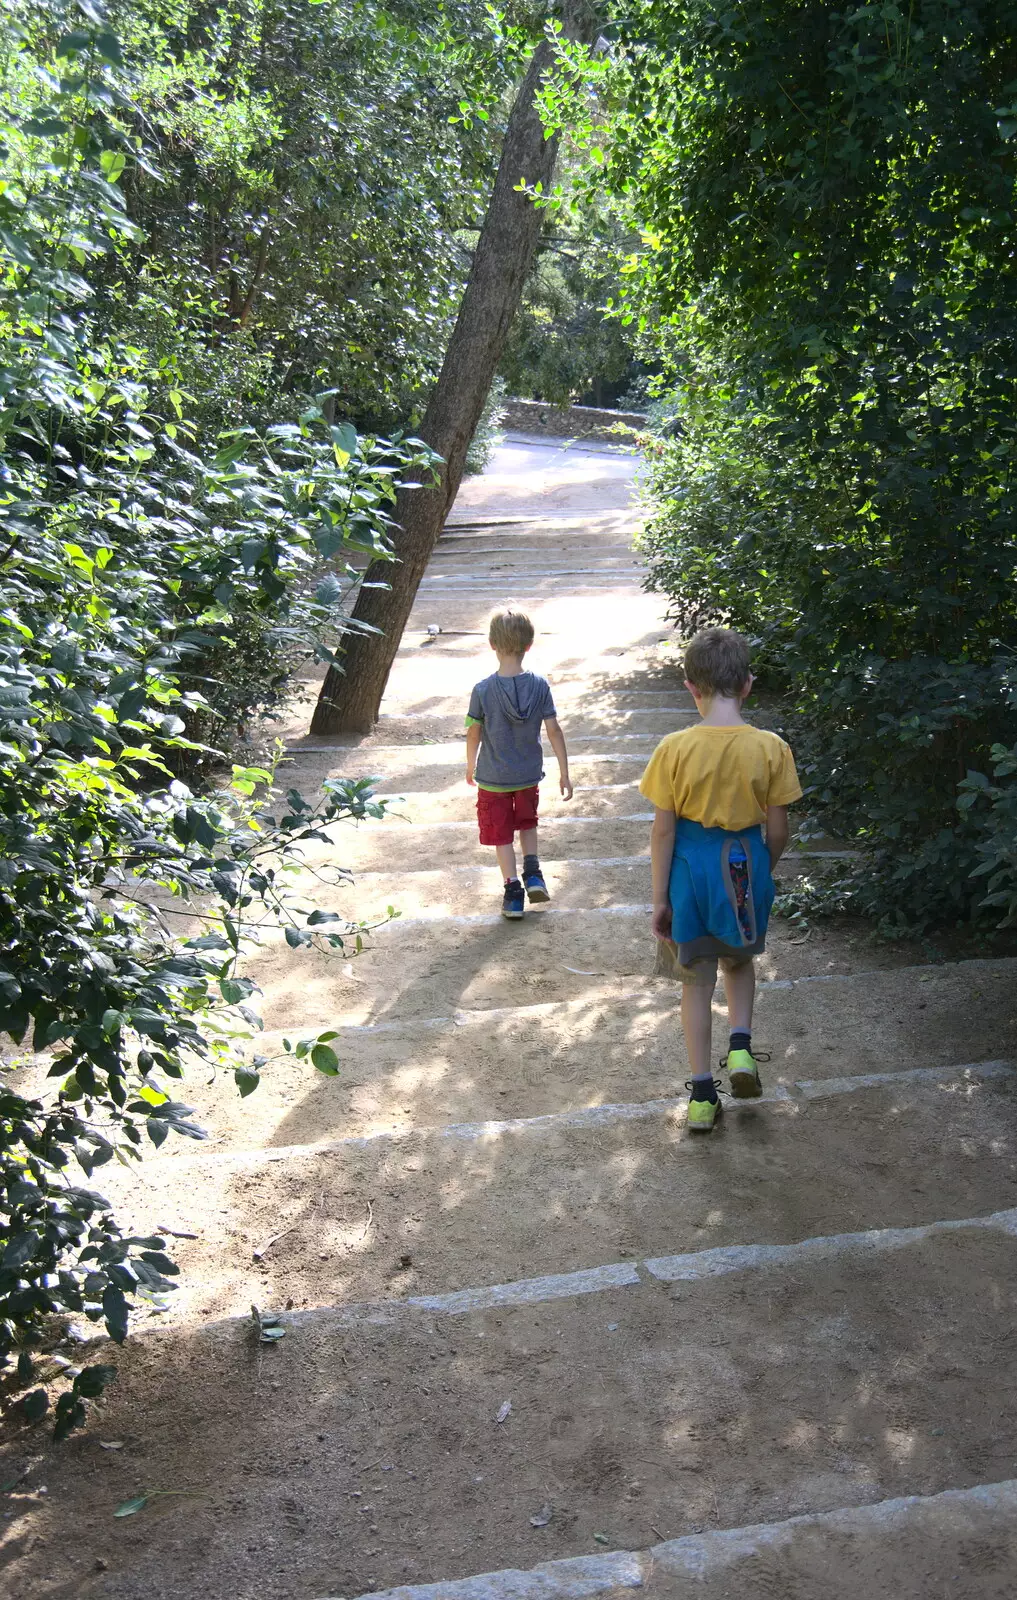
(510, 632)
(717, 662)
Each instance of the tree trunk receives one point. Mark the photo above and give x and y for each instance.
(350, 699)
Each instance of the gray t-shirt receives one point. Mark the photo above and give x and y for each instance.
(511, 710)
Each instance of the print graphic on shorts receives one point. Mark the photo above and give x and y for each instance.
(738, 867)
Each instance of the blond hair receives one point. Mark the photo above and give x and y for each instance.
(717, 662)
(510, 631)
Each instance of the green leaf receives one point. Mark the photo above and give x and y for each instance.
(234, 990)
(73, 43)
(324, 1058)
(246, 1080)
(128, 1508)
(113, 163)
(161, 1261)
(344, 439)
(108, 46)
(114, 1305)
(20, 1249)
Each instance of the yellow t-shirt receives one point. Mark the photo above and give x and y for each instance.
(721, 777)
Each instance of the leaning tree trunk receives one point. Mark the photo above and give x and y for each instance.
(350, 698)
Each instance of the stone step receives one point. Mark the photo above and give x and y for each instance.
(428, 1213)
(432, 965)
(590, 882)
(619, 1042)
(570, 698)
(845, 1372)
(566, 620)
(650, 723)
(485, 571)
(906, 1547)
(395, 769)
(618, 523)
(616, 828)
(217, 1153)
(469, 552)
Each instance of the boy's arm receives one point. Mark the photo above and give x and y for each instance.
(777, 832)
(473, 736)
(556, 739)
(661, 852)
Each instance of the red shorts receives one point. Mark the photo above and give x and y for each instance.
(502, 815)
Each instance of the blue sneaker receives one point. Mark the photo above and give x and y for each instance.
(513, 904)
(535, 887)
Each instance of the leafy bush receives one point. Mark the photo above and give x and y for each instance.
(834, 295)
(485, 438)
(138, 569)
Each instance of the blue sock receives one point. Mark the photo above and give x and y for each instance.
(740, 1040)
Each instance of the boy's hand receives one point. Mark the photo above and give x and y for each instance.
(661, 922)
(565, 785)
(470, 779)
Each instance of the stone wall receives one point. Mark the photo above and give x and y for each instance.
(567, 422)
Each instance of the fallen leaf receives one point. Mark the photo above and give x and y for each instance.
(602, 1538)
(129, 1507)
(541, 1518)
(111, 1444)
(503, 1410)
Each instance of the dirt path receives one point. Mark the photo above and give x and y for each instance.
(529, 1321)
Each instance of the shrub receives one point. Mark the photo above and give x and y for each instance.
(135, 564)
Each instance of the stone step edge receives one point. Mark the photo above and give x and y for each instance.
(553, 863)
(575, 519)
(621, 711)
(690, 1267)
(639, 985)
(808, 1089)
(697, 1557)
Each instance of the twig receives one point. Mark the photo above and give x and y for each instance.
(256, 1255)
(370, 1219)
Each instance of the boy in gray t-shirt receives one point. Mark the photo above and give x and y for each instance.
(503, 724)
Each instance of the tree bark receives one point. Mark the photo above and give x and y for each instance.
(350, 698)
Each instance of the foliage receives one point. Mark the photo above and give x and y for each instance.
(313, 182)
(486, 435)
(564, 348)
(826, 198)
(137, 564)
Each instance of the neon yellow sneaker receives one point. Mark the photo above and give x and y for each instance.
(743, 1074)
(703, 1113)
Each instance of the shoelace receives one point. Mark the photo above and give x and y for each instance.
(764, 1055)
(716, 1084)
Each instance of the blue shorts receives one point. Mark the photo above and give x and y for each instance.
(721, 891)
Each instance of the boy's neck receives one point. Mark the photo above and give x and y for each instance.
(720, 711)
(510, 666)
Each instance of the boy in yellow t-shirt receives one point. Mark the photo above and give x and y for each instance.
(714, 787)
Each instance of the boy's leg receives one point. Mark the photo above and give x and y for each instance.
(533, 878)
(506, 860)
(697, 1026)
(494, 813)
(740, 990)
